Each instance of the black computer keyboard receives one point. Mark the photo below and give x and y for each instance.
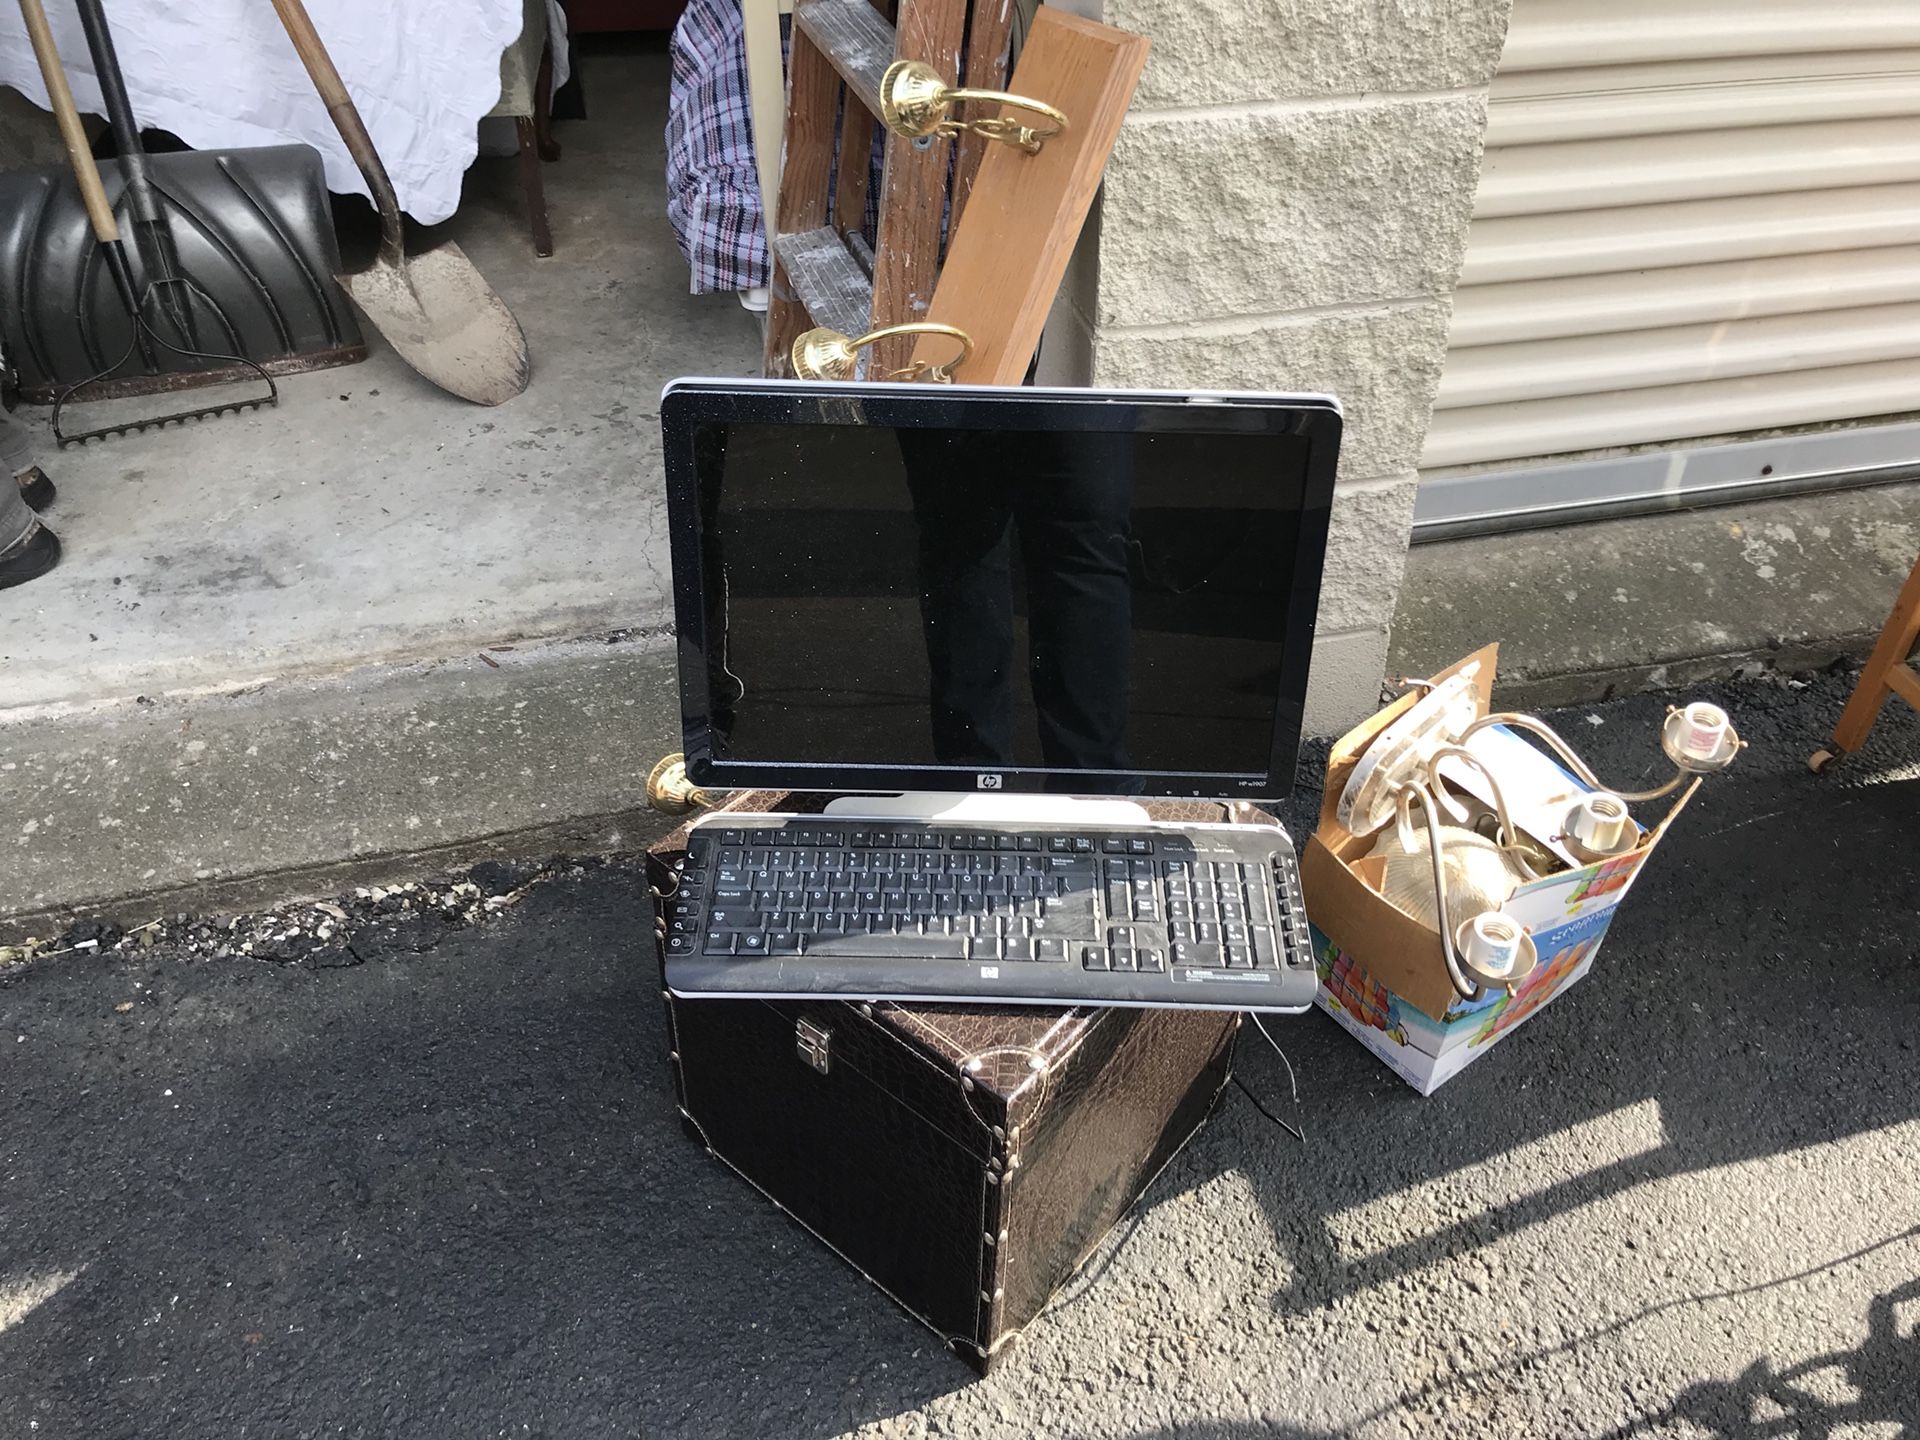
(1204, 916)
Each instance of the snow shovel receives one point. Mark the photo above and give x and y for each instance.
(238, 245)
(140, 305)
(436, 310)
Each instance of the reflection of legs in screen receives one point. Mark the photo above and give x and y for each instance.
(966, 613)
(1074, 531)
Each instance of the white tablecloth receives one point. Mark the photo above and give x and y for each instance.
(222, 73)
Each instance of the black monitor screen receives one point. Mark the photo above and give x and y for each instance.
(1088, 611)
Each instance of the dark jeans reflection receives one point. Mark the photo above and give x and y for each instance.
(1069, 508)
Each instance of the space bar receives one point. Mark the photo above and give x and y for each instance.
(888, 947)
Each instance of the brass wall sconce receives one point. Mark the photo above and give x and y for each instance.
(824, 354)
(915, 102)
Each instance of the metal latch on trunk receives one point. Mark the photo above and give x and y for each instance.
(814, 1044)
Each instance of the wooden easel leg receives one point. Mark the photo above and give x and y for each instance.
(543, 108)
(535, 186)
(1893, 648)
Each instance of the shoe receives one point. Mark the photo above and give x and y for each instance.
(35, 488)
(29, 557)
(754, 299)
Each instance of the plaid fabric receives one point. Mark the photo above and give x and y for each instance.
(713, 188)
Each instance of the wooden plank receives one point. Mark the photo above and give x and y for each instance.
(913, 191)
(988, 45)
(829, 282)
(1005, 264)
(766, 96)
(1904, 683)
(1890, 653)
(862, 251)
(813, 98)
(855, 38)
(857, 128)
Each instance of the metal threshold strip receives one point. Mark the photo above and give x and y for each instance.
(1456, 505)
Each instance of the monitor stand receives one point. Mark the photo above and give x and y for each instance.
(990, 809)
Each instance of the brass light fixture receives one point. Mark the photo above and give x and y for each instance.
(915, 102)
(825, 354)
(670, 791)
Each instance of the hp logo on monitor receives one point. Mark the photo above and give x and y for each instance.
(989, 782)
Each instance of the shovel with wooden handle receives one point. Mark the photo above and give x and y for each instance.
(435, 309)
(142, 335)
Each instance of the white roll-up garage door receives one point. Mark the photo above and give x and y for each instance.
(1696, 218)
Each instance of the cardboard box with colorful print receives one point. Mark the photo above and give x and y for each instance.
(1384, 975)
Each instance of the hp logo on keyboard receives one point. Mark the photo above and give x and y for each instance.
(989, 782)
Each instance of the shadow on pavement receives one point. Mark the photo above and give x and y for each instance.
(1877, 1383)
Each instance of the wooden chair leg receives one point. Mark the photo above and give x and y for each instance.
(543, 108)
(1893, 649)
(536, 187)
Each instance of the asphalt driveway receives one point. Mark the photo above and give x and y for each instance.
(421, 1176)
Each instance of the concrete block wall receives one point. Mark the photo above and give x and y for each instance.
(1287, 209)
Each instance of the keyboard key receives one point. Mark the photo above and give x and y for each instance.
(988, 950)
(680, 945)
(1029, 842)
(1181, 930)
(1048, 951)
(1239, 957)
(1140, 847)
(1114, 845)
(1120, 959)
(752, 943)
(1082, 845)
(1121, 936)
(1264, 955)
(889, 947)
(1093, 957)
(785, 942)
(1149, 960)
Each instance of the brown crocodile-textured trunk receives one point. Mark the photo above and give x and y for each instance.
(965, 1159)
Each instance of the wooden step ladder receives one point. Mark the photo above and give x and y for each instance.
(824, 274)
(1889, 671)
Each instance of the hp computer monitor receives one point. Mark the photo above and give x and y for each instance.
(884, 587)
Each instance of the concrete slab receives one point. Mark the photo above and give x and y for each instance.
(300, 787)
(372, 517)
(1619, 605)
